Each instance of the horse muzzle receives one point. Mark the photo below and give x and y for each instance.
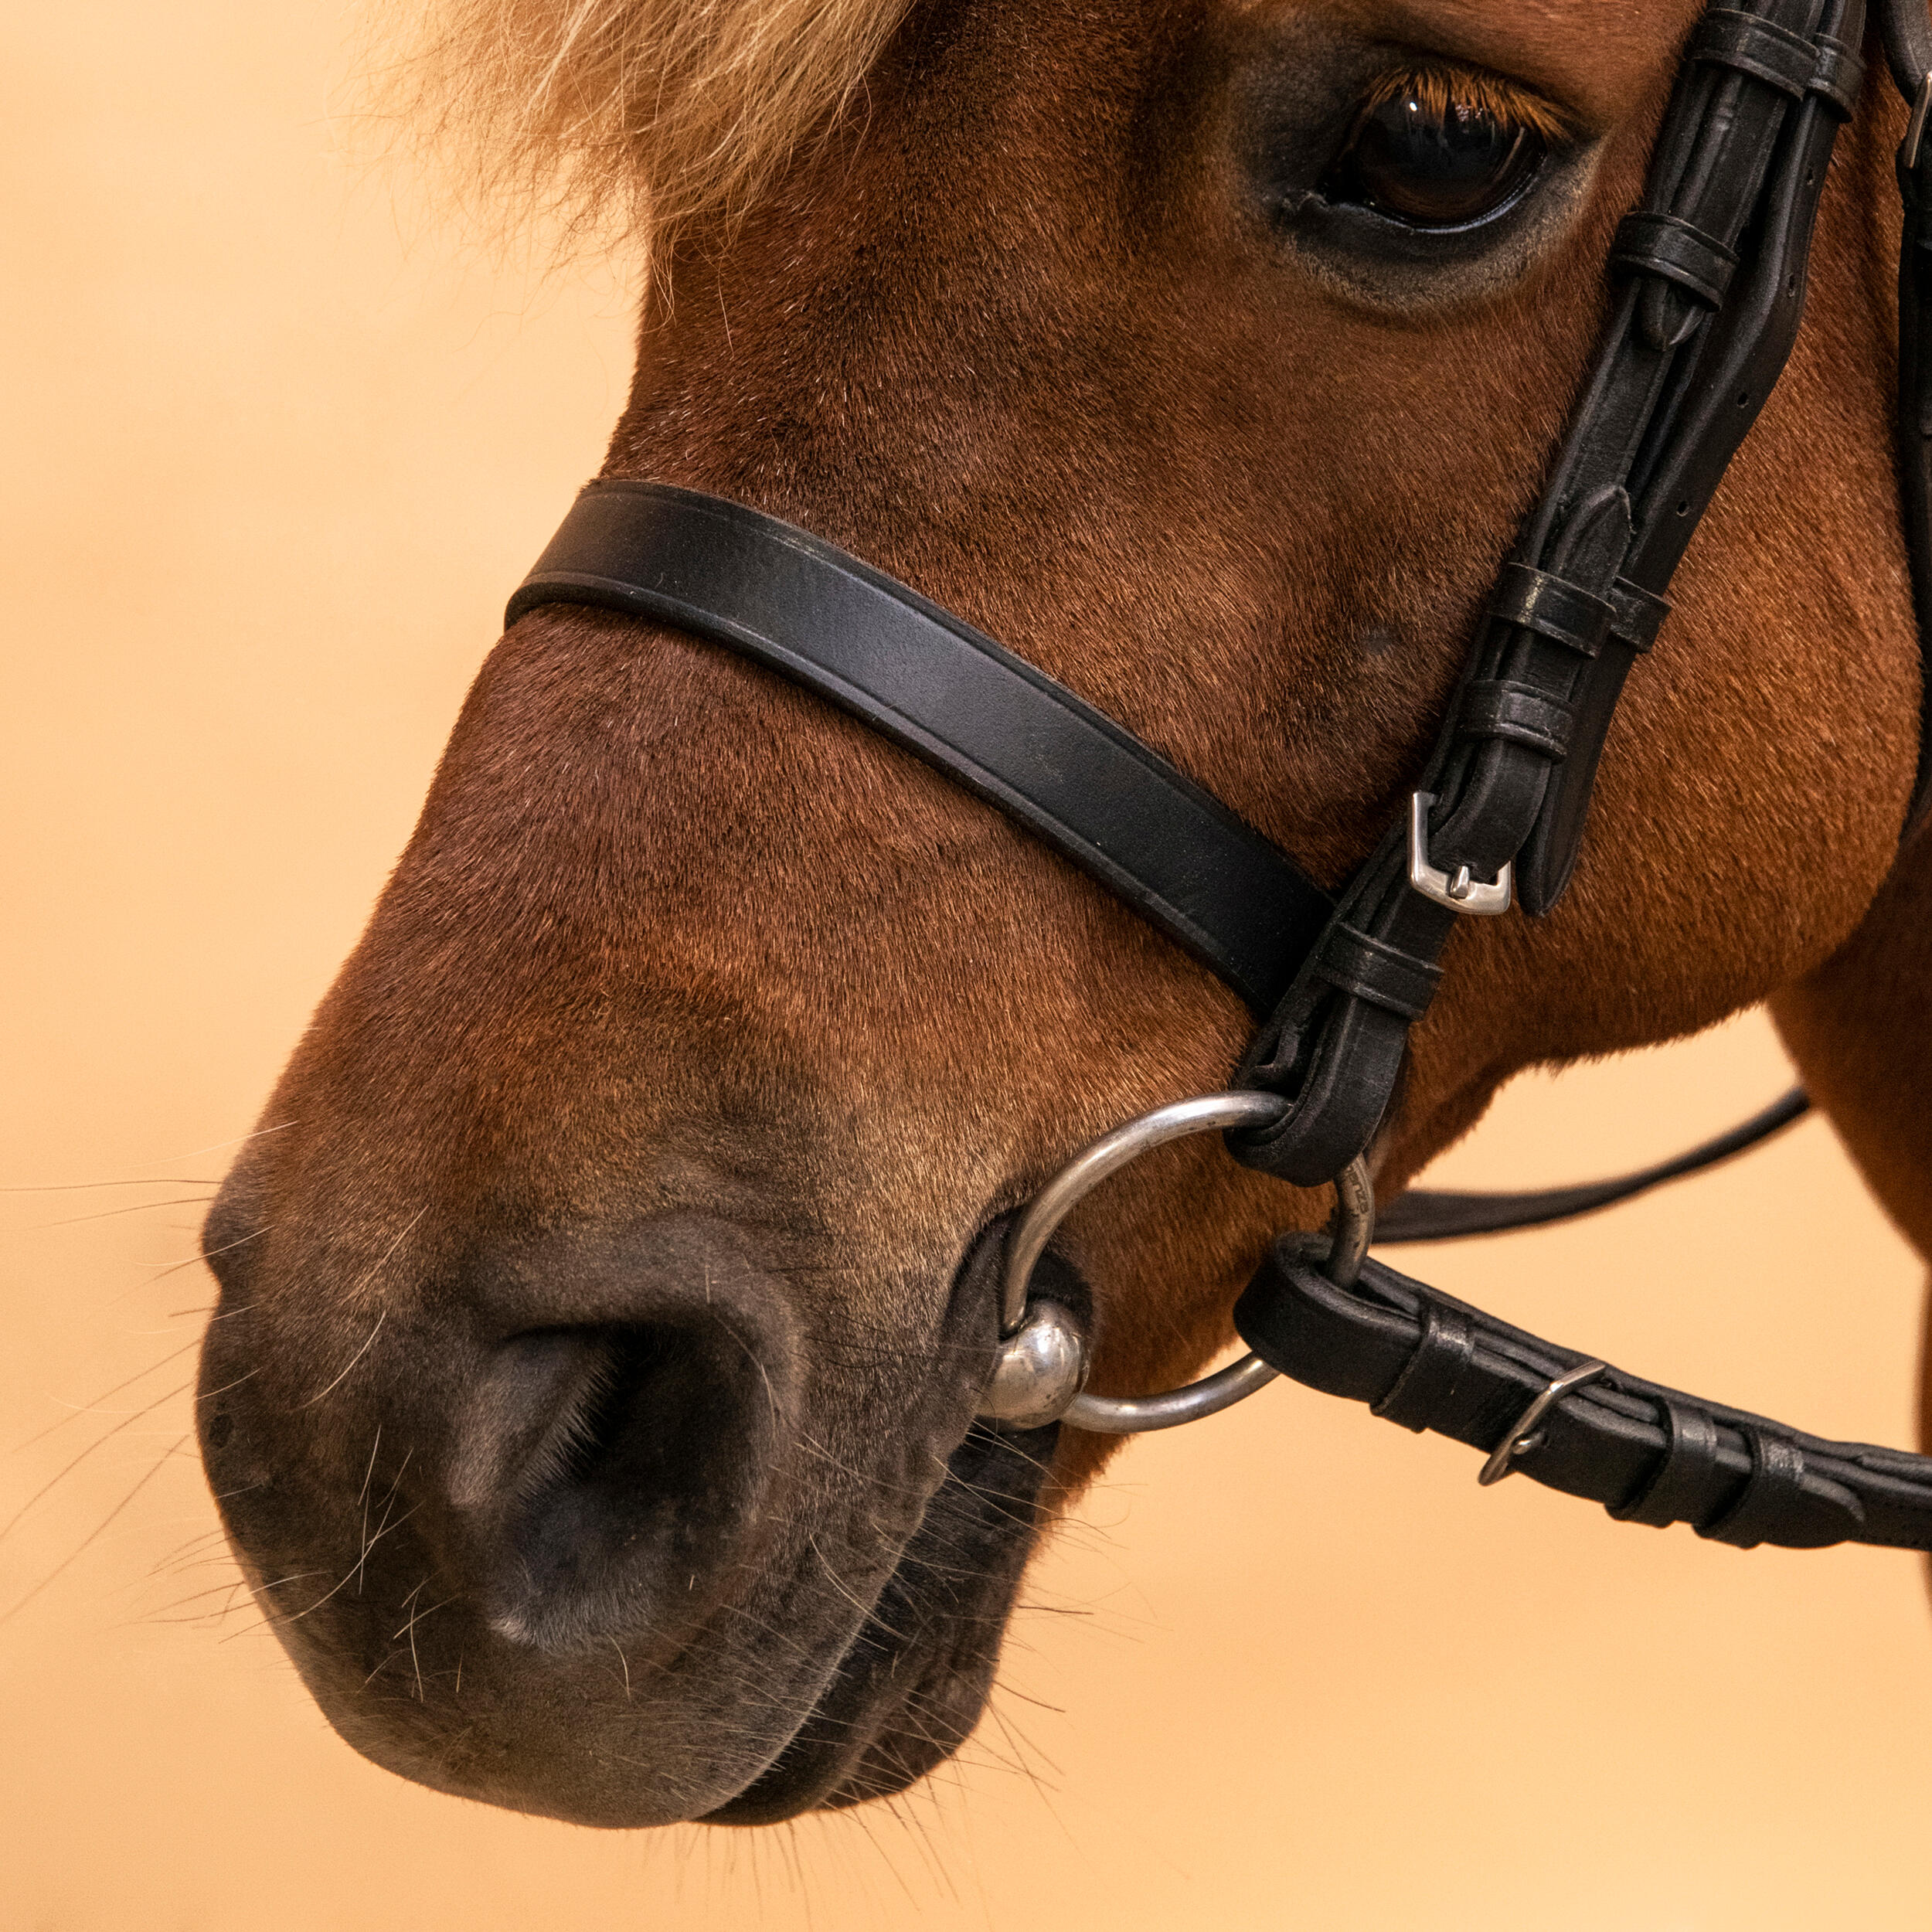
(609, 1527)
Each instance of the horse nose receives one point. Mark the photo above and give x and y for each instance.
(612, 1458)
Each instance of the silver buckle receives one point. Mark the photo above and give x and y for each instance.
(1523, 1436)
(1461, 893)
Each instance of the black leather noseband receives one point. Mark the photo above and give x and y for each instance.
(1708, 282)
(990, 722)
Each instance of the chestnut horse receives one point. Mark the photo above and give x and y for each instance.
(606, 1293)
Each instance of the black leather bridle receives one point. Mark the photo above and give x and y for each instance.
(1709, 274)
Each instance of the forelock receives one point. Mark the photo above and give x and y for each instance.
(623, 119)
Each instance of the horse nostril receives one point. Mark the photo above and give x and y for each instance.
(628, 1438)
(606, 1471)
(615, 1428)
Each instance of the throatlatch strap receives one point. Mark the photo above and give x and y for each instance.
(1648, 1454)
(920, 676)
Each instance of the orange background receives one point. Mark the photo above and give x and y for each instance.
(277, 455)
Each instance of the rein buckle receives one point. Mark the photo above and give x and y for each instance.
(1522, 1435)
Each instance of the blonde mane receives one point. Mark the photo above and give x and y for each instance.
(619, 119)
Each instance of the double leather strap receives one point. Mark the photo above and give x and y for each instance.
(1648, 1453)
(1708, 290)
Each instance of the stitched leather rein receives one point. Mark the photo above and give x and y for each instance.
(1708, 277)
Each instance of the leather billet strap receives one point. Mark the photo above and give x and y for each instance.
(1648, 1453)
(1709, 276)
(922, 677)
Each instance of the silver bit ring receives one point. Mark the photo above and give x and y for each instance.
(1040, 1373)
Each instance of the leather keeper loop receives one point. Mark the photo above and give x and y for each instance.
(1782, 1502)
(1676, 250)
(1771, 1490)
(1636, 616)
(1370, 969)
(1648, 1454)
(1679, 1489)
(1428, 1379)
(1757, 46)
(1839, 75)
(1494, 708)
(1551, 606)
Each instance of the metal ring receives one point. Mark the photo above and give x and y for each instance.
(1136, 1415)
(1087, 1170)
(1040, 1375)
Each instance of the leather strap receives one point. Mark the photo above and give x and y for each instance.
(1678, 251)
(1754, 46)
(1648, 1453)
(1425, 1214)
(1907, 32)
(1496, 708)
(1712, 274)
(1552, 607)
(920, 676)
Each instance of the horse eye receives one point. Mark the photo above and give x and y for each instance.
(1425, 157)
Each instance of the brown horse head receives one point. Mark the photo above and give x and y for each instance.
(591, 1396)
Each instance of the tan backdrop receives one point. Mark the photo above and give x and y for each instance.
(273, 465)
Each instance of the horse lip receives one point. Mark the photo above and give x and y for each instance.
(985, 1509)
(1056, 1276)
(799, 1778)
(849, 1740)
